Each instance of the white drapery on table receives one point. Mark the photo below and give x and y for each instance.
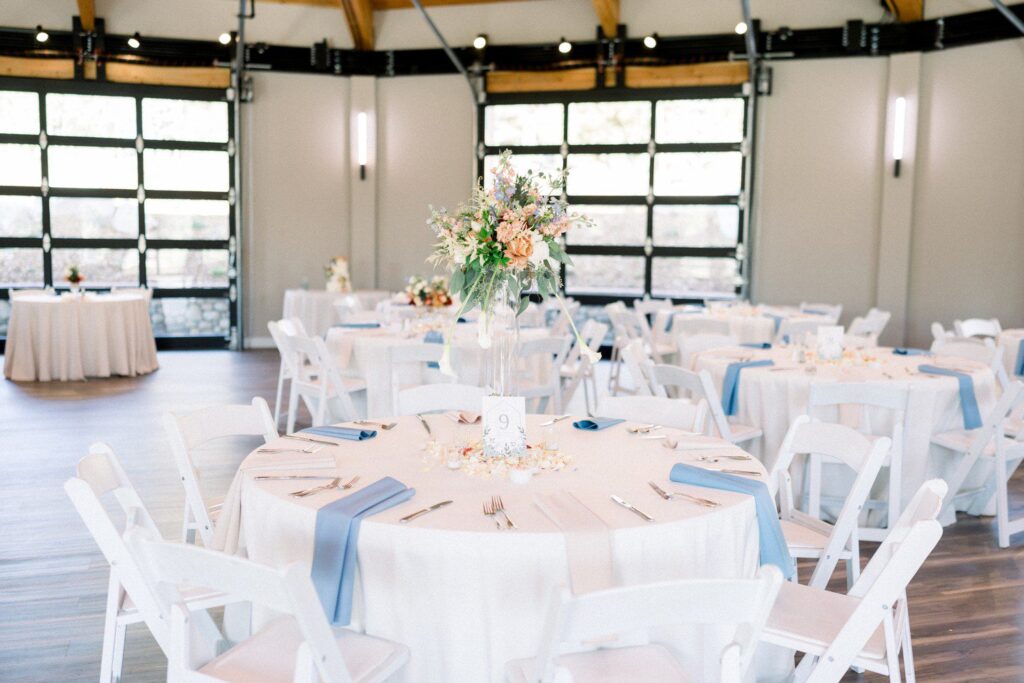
(465, 597)
(315, 308)
(748, 324)
(771, 398)
(74, 336)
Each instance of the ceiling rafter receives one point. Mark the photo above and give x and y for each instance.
(906, 10)
(359, 15)
(608, 16)
(87, 13)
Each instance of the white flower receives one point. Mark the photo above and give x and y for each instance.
(445, 364)
(540, 250)
(483, 335)
(591, 355)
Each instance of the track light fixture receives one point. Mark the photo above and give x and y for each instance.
(480, 42)
(564, 46)
(224, 38)
(135, 41)
(651, 41)
(41, 35)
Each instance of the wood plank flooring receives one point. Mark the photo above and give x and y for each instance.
(967, 604)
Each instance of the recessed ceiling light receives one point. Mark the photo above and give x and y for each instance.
(564, 46)
(480, 42)
(741, 27)
(41, 35)
(135, 41)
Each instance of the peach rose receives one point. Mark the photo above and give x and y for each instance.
(519, 249)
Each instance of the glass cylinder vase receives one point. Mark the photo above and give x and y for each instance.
(499, 336)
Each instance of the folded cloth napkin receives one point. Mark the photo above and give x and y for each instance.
(462, 320)
(464, 417)
(1018, 366)
(349, 433)
(773, 543)
(587, 540)
(433, 337)
(906, 351)
(758, 345)
(731, 383)
(594, 424)
(336, 542)
(815, 311)
(968, 400)
(358, 326)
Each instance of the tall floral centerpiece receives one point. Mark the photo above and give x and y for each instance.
(504, 241)
(336, 275)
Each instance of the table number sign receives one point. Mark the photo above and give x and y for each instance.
(504, 422)
(830, 342)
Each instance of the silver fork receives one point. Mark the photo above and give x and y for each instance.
(499, 506)
(349, 484)
(316, 489)
(383, 425)
(489, 512)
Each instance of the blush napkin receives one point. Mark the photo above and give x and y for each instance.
(596, 424)
(1018, 367)
(968, 400)
(901, 351)
(348, 433)
(336, 543)
(433, 337)
(587, 540)
(731, 383)
(774, 549)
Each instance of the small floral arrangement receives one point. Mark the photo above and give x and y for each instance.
(73, 275)
(505, 239)
(336, 275)
(431, 293)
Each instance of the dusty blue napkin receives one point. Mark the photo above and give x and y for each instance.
(731, 383)
(595, 424)
(758, 345)
(358, 326)
(968, 400)
(433, 337)
(773, 543)
(349, 433)
(336, 540)
(1018, 366)
(777, 319)
(901, 351)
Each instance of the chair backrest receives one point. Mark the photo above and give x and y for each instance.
(871, 325)
(832, 311)
(690, 345)
(287, 591)
(689, 325)
(741, 605)
(639, 364)
(593, 334)
(433, 398)
(649, 306)
(865, 395)
(328, 386)
(671, 412)
(348, 305)
(796, 330)
(939, 332)
(280, 331)
(696, 385)
(978, 327)
(561, 327)
(994, 422)
(983, 352)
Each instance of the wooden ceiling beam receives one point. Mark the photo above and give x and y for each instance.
(87, 13)
(608, 16)
(906, 10)
(359, 14)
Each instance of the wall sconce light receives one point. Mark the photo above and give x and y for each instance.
(899, 129)
(361, 143)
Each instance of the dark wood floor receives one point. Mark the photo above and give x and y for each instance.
(967, 604)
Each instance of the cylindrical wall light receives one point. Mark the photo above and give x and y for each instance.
(361, 143)
(899, 131)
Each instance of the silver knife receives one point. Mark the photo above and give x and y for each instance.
(748, 473)
(629, 507)
(425, 425)
(555, 420)
(409, 518)
(281, 477)
(310, 439)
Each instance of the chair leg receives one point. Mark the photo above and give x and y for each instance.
(293, 408)
(1002, 502)
(892, 653)
(814, 490)
(908, 649)
(277, 399)
(895, 491)
(110, 666)
(187, 530)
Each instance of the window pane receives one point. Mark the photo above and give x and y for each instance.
(608, 174)
(177, 169)
(609, 122)
(621, 225)
(606, 274)
(5, 316)
(19, 112)
(94, 116)
(538, 163)
(73, 217)
(175, 268)
(184, 120)
(523, 124)
(20, 165)
(94, 167)
(186, 219)
(693, 276)
(101, 267)
(21, 267)
(696, 226)
(698, 174)
(21, 216)
(719, 120)
(190, 317)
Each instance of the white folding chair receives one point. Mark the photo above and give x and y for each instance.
(348, 306)
(831, 311)
(690, 345)
(561, 327)
(578, 368)
(826, 401)
(290, 367)
(539, 364)
(806, 535)
(796, 330)
(940, 333)
(321, 386)
(982, 351)
(298, 646)
(622, 334)
(130, 598)
(410, 366)
(698, 385)
(1001, 455)
(869, 327)
(655, 314)
(681, 413)
(188, 432)
(435, 398)
(737, 607)
(690, 325)
(978, 327)
(638, 365)
(869, 627)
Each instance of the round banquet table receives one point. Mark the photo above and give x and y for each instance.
(315, 308)
(363, 353)
(772, 397)
(1012, 342)
(748, 324)
(466, 597)
(74, 336)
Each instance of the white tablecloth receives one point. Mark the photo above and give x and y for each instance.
(315, 308)
(771, 399)
(74, 336)
(1011, 341)
(465, 597)
(364, 353)
(750, 324)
